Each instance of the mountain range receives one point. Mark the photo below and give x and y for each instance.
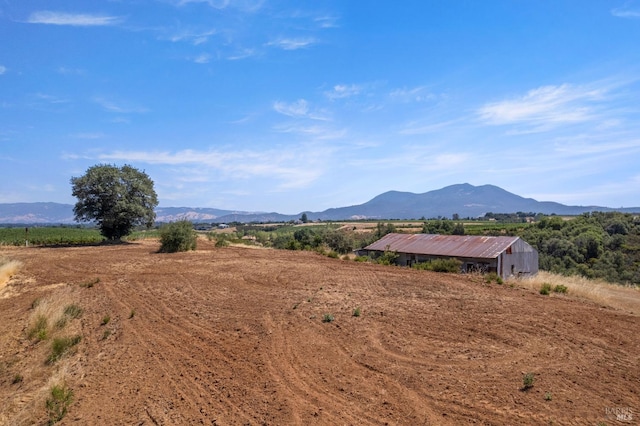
(464, 200)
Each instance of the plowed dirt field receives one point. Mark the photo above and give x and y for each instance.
(235, 336)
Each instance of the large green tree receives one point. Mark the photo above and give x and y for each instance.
(116, 198)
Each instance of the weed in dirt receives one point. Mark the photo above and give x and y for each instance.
(548, 396)
(36, 302)
(61, 346)
(61, 322)
(327, 318)
(39, 330)
(492, 276)
(132, 313)
(527, 381)
(105, 320)
(106, 334)
(90, 284)
(73, 311)
(17, 378)
(333, 255)
(57, 404)
(356, 312)
(560, 289)
(545, 289)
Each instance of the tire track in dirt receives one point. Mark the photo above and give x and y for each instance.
(165, 332)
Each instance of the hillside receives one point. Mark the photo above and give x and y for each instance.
(463, 199)
(235, 336)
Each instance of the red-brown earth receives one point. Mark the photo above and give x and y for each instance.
(234, 336)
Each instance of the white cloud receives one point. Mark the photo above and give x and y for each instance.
(3, 69)
(416, 94)
(119, 107)
(326, 21)
(544, 107)
(194, 37)
(243, 54)
(626, 12)
(245, 5)
(298, 109)
(73, 19)
(291, 168)
(203, 58)
(293, 43)
(341, 91)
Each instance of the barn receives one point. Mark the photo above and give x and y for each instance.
(506, 256)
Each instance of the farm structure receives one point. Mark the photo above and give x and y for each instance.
(506, 256)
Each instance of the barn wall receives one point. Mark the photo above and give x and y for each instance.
(520, 260)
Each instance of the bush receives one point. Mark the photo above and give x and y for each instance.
(528, 380)
(61, 346)
(545, 289)
(177, 236)
(439, 265)
(356, 312)
(327, 318)
(58, 403)
(560, 288)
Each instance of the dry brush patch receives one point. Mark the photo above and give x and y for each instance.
(8, 268)
(38, 350)
(616, 296)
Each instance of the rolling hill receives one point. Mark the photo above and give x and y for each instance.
(463, 199)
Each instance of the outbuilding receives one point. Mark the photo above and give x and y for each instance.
(506, 256)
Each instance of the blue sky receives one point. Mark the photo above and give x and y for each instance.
(277, 105)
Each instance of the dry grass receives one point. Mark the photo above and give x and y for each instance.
(613, 295)
(8, 268)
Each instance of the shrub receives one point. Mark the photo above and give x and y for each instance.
(105, 320)
(362, 259)
(39, 330)
(356, 312)
(545, 289)
(528, 380)
(560, 288)
(333, 254)
(73, 311)
(548, 396)
(439, 265)
(177, 236)
(60, 346)
(58, 403)
(327, 318)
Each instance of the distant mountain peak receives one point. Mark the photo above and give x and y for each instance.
(463, 199)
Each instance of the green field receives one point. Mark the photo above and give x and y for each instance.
(49, 236)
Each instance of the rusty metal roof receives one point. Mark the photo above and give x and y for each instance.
(444, 245)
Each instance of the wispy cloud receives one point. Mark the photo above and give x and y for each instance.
(119, 106)
(194, 37)
(545, 107)
(3, 69)
(341, 91)
(291, 168)
(245, 5)
(416, 94)
(298, 109)
(627, 11)
(88, 136)
(243, 54)
(72, 19)
(326, 21)
(203, 58)
(292, 43)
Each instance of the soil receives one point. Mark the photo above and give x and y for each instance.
(235, 336)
